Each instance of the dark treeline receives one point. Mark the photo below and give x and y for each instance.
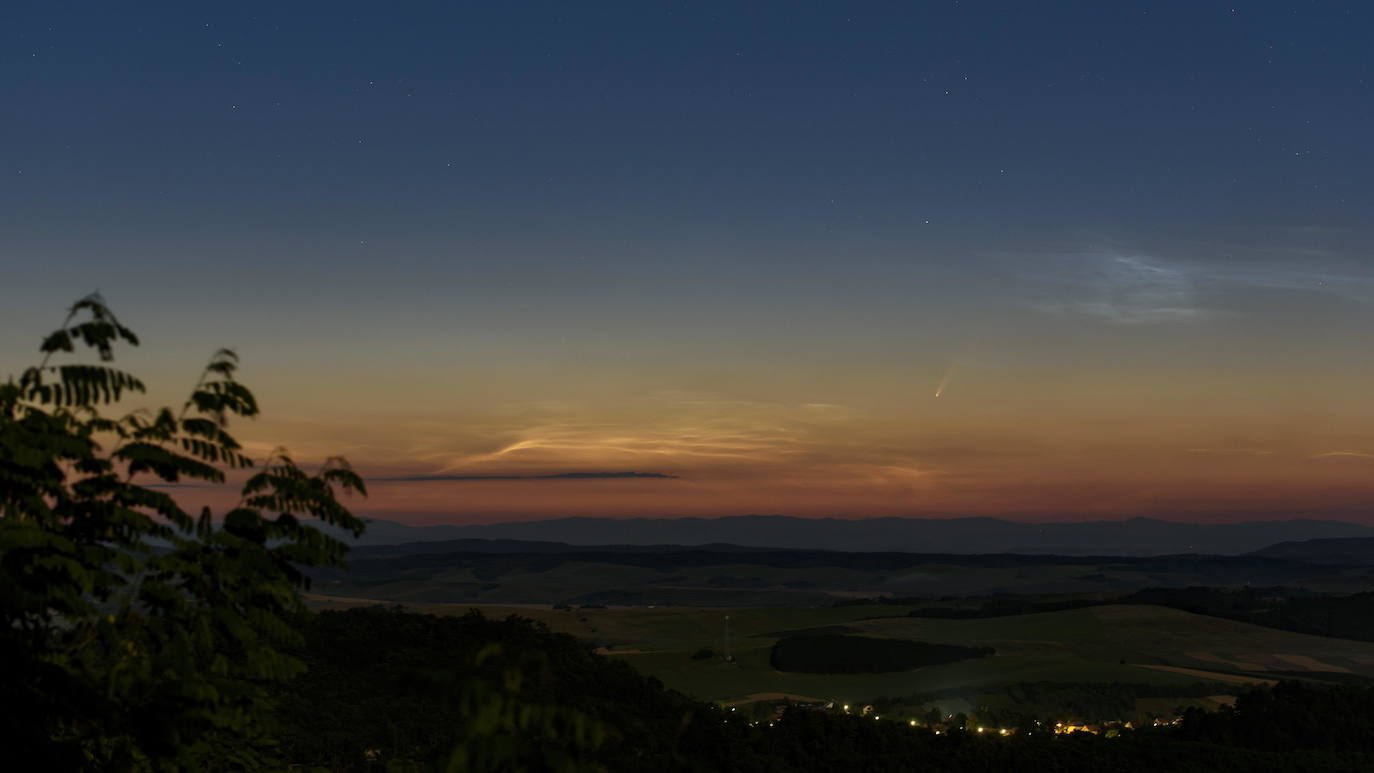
(1006, 606)
(1346, 617)
(1021, 704)
(840, 654)
(818, 741)
(1288, 609)
(417, 692)
(1291, 715)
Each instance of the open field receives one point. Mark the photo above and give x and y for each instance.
(1128, 644)
(1145, 635)
(1214, 676)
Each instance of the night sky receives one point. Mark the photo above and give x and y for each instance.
(742, 246)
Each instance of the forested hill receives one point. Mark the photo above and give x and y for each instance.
(1344, 551)
(408, 691)
(472, 571)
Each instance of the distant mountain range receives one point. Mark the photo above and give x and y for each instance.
(1133, 537)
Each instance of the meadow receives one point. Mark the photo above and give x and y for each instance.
(1133, 644)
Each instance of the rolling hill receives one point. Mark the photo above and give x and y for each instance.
(730, 576)
(1343, 551)
(1103, 645)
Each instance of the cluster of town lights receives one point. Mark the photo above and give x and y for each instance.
(1060, 728)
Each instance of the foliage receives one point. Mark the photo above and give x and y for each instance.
(134, 634)
(410, 689)
(841, 654)
(1290, 715)
(388, 678)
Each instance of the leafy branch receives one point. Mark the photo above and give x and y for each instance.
(138, 635)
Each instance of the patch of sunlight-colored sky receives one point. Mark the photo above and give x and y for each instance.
(740, 249)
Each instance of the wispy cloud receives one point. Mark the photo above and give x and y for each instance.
(679, 433)
(551, 476)
(1343, 454)
(1135, 290)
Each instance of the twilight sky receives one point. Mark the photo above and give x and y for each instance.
(739, 244)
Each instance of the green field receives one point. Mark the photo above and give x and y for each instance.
(1129, 644)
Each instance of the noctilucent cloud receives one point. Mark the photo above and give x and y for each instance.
(521, 260)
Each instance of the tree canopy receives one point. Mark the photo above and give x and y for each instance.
(134, 633)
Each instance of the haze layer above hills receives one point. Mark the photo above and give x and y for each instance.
(1134, 537)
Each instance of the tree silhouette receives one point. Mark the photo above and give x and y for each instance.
(135, 635)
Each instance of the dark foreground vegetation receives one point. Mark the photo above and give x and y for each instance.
(419, 692)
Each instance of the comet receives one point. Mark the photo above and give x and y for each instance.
(944, 382)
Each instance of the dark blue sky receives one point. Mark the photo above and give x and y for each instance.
(862, 118)
(533, 213)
